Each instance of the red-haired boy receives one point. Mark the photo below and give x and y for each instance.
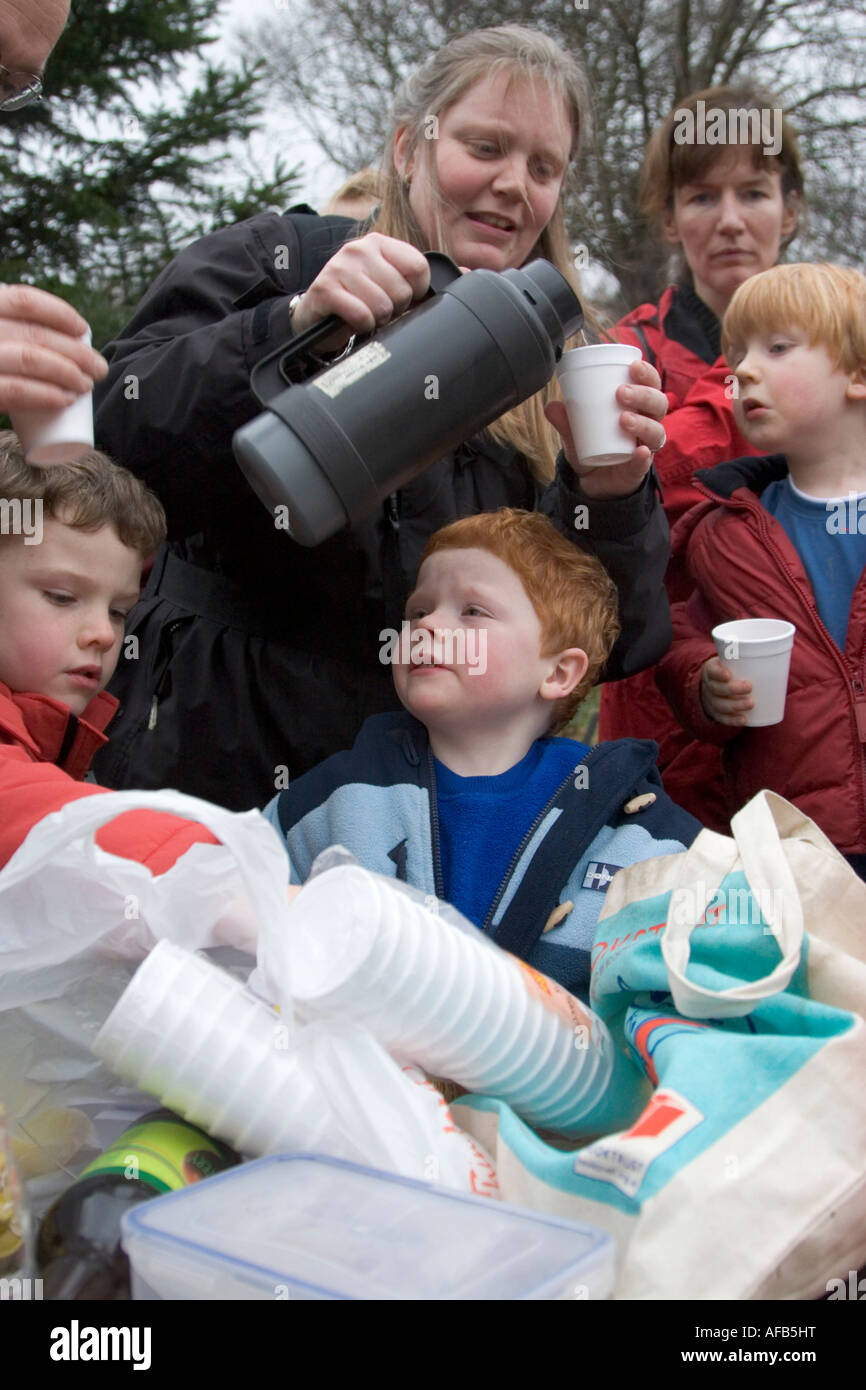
(468, 794)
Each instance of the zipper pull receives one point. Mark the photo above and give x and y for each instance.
(860, 707)
(151, 718)
(393, 511)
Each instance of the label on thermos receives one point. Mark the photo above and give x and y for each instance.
(356, 366)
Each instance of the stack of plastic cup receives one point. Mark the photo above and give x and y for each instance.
(453, 1003)
(186, 1031)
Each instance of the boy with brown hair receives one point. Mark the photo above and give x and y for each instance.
(469, 794)
(73, 541)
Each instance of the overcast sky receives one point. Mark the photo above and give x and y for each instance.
(319, 177)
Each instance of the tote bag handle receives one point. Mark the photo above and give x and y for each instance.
(758, 848)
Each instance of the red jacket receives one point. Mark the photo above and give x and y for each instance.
(44, 752)
(742, 565)
(680, 337)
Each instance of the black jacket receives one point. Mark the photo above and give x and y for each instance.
(178, 387)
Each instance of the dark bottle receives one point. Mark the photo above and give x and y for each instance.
(79, 1250)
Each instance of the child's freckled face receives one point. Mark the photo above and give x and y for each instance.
(790, 394)
(63, 604)
(481, 645)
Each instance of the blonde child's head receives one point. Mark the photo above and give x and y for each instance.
(825, 302)
(357, 197)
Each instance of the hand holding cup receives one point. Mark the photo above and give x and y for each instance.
(638, 423)
(44, 363)
(750, 688)
(58, 436)
(724, 699)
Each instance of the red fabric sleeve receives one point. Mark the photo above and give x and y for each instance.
(700, 433)
(29, 791)
(678, 674)
(154, 838)
(656, 344)
(626, 334)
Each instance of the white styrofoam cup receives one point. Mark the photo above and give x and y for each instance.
(588, 379)
(57, 436)
(759, 650)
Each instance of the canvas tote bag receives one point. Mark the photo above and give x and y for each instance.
(735, 976)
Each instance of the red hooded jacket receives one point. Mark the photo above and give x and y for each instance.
(680, 337)
(742, 565)
(45, 751)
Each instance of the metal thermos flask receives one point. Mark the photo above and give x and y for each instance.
(331, 449)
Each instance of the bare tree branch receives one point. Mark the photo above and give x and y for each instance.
(337, 63)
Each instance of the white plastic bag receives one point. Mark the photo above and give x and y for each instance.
(390, 1116)
(60, 893)
(74, 923)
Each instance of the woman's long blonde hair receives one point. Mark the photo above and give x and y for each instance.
(442, 81)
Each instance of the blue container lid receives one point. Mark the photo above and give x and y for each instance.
(322, 1227)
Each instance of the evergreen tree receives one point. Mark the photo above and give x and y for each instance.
(120, 165)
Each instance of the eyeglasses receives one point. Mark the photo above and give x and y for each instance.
(18, 89)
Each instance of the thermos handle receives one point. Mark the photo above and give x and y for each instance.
(270, 375)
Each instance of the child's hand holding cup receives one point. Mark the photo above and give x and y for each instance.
(747, 683)
(57, 436)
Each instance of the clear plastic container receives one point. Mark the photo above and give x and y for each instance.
(303, 1226)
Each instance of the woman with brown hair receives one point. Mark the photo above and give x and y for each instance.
(257, 657)
(722, 180)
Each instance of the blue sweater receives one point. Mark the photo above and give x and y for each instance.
(832, 558)
(379, 800)
(483, 820)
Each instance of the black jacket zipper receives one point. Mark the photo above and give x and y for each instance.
(438, 881)
(515, 858)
